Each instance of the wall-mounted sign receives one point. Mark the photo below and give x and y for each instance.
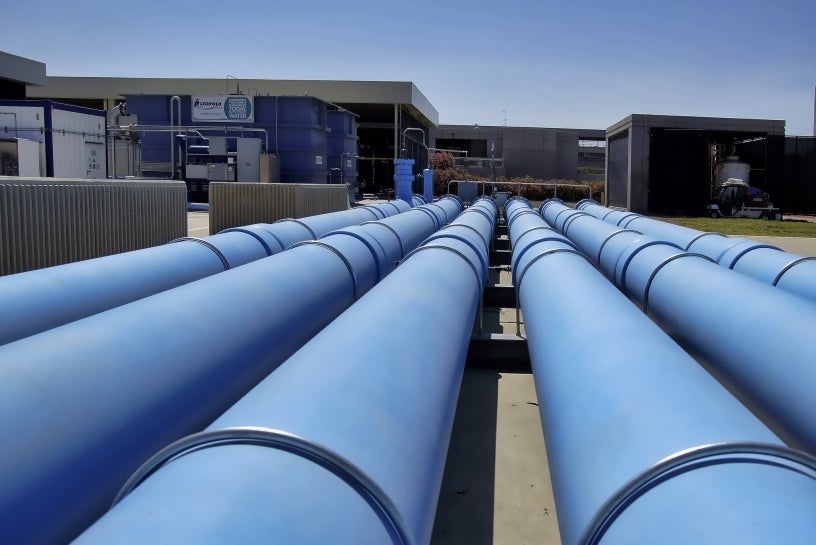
(230, 108)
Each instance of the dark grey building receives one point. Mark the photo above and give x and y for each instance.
(660, 163)
(545, 153)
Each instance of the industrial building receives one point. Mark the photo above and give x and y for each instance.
(655, 163)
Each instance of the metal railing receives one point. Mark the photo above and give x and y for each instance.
(518, 186)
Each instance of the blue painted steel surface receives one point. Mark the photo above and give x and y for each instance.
(82, 405)
(427, 184)
(752, 337)
(50, 297)
(346, 441)
(764, 262)
(419, 200)
(404, 178)
(643, 445)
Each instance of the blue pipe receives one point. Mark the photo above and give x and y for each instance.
(643, 445)
(752, 337)
(346, 441)
(47, 298)
(84, 404)
(764, 262)
(404, 178)
(418, 200)
(427, 184)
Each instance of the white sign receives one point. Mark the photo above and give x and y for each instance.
(230, 108)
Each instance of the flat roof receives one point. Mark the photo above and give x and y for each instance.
(729, 124)
(347, 93)
(21, 70)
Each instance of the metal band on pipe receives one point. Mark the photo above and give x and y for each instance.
(609, 237)
(751, 249)
(394, 231)
(545, 253)
(604, 216)
(389, 203)
(701, 235)
(789, 266)
(209, 245)
(572, 218)
(490, 218)
(555, 219)
(479, 251)
(428, 213)
(449, 249)
(256, 237)
(481, 236)
(367, 245)
(376, 212)
(314, 235)
(339, 254)
(536, 228)
(629, 219)
(631, 256)
(352, 475)
(510, 221)
(660, 266)
(555, 238)
(689, 460)
(447, 219)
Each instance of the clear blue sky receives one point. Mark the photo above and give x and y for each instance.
(580, 64)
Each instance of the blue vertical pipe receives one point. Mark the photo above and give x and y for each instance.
(404, 178)
(764, 262)
(82, 405)
(427, 184)
(753, 337)
(346, 441)
(643, 445)
(46, 298)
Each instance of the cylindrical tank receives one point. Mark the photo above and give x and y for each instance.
(427, 188)
(732, 167)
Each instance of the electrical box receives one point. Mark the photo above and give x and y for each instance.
(248, 160)
(218, 145)
(222, 172)
(196, 172)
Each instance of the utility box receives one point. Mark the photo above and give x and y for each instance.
(221, 172)
(218, 145)
(270, 169)
(248, 160)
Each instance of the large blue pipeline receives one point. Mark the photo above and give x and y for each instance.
(643, 445)
(754, 338)
(46, 298)
(764, 262)
(84, 404)
(346, 441)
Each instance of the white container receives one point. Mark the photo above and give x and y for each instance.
(732, 167)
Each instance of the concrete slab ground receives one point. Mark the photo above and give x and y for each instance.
(805, 247)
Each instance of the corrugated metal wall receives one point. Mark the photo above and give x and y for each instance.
(49, 221)
(233, 204)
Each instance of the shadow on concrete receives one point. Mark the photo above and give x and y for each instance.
(464, 515)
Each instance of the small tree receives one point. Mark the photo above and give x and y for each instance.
(441, 160)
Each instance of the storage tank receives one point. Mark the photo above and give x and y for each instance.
(732, 167)
(298, 135)
(342, 140)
